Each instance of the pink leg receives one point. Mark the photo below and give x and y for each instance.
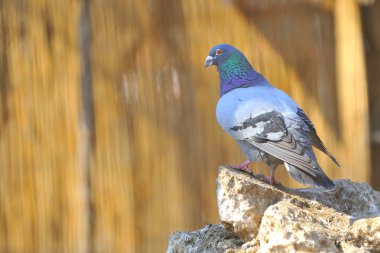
(242, 166)
(271, 179)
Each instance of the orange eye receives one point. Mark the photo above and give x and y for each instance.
(219, 52)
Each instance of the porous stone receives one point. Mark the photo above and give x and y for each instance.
(243, 198)
(286, 227)
(211, 238)
(279, 219)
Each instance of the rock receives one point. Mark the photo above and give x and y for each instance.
(365, 234)
(279, 219)
(244, 198)
(286, 227)
(211, 238)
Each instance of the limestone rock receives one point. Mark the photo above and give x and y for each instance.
(286, 227)
(243, 199)
(211, 238)
(365, 234)
(278, 219)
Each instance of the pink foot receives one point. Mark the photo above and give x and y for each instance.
(243, 166)
(270, 179)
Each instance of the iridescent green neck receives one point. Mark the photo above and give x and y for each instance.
(237, 72)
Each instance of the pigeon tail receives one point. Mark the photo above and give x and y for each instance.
(319, 180)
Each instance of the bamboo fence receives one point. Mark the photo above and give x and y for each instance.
(108, 137)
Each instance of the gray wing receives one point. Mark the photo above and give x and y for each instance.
(292, 144)
(315, 140)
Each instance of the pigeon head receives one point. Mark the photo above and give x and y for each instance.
(220, 54)
(234, 69)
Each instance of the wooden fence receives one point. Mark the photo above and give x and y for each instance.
(108, 138)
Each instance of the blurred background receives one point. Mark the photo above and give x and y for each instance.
(108, 136)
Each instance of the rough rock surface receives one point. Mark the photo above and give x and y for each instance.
(211, 238)
(278, 219)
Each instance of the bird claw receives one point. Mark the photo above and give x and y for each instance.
(243, 166)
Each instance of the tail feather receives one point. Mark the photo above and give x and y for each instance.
(320, 180)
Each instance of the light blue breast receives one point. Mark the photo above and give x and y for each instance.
(240, 104)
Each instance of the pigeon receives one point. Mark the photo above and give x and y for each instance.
(266, 123)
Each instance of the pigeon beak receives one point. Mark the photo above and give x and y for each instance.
(209, 61)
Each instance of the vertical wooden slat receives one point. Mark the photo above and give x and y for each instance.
(352, 91)
(371, 34)
(41, 182)
(112, 184)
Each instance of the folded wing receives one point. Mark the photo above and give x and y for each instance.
(315, 140)
(269, 133)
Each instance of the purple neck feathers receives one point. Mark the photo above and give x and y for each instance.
(237, 72)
